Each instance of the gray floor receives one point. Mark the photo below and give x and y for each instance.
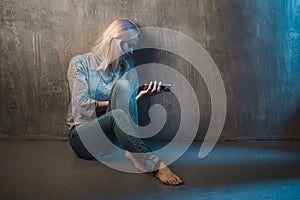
(233, 170)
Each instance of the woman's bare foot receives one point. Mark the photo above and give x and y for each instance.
(166, 176)
(139, 166)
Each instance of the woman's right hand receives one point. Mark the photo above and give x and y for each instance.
(152, 88)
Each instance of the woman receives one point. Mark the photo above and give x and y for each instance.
(102, 86)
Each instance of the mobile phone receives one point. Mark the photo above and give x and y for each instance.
(164, 87)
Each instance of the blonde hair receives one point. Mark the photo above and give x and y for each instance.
(109, 42)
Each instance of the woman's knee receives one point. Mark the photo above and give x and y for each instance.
(123, 84)
(120, 114)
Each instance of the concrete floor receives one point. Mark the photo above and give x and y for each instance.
(233, 170)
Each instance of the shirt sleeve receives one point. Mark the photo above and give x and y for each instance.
(83, 106)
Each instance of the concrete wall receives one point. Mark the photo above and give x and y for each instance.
(254, 43)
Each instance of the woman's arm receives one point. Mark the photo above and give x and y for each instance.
(83, 106)
(101, 106)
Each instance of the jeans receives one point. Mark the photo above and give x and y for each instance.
(120, 118)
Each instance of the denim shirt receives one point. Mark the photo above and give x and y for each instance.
(87, 86)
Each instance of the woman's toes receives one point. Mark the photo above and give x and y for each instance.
(168, 182)
(178, 179)
(176, 182)
(173, 182)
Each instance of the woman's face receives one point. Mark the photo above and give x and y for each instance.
(127, 46)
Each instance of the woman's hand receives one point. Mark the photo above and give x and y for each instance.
(153, 88)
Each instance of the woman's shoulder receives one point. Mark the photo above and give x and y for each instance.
(80, 60)
(77, 63)
(86, 62)
(93, 57)
(77, 58)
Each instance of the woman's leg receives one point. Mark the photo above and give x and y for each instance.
(78, 146)
(123, 108)
(93, 139)
(121, 97)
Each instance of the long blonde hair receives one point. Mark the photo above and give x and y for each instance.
(109, 42)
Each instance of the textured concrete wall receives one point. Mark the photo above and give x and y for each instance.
(254, 43)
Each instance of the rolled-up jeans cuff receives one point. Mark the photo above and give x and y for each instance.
(156, 168)
(150, 161)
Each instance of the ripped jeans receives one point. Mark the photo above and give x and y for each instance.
(121, 118)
